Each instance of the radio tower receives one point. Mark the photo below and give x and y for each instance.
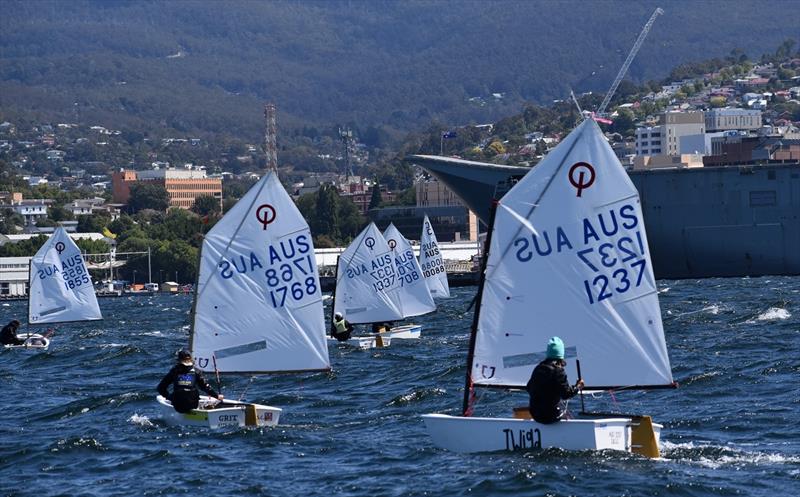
(270, 141)
(346, 136)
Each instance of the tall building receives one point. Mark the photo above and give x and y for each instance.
(183, 185)
(665, 139)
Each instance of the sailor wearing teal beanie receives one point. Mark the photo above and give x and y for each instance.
(555, 348)
(548, 385)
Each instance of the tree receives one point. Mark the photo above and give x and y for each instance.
(147, 195)
(375, 200)
(58, 213)
(206, 205)
(326, 219)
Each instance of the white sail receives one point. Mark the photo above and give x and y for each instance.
(569, 257)
(259, 304)
(414, 296)
(60, 287)
(367, 283)
(431, 262)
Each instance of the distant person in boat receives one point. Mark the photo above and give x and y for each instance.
(381, 327)
(341, 329)
(9, 334)
(186, 383)
(548, 385)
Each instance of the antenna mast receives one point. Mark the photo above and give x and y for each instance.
(624, 69)
(270, 137)
(346, 136)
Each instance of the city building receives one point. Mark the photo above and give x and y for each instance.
(452, 221)
(31, 210)
(665, 138)
(14, 276)
(183, 185)
(732, 119)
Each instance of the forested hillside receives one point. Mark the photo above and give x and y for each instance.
(207, 67)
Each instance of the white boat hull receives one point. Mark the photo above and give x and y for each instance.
(33, 341)
(405, 332)
(365, 342)
(232, 415)
(470, 434)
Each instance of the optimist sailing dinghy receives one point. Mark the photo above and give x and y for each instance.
(33, 341)
(367, 286)
(431, 263)
(414, 297)
(60, 289)
(258, 303)
(568, 256)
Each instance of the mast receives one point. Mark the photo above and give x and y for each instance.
(335, 284)
(476, 316)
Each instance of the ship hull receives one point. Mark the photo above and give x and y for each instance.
(701, 222)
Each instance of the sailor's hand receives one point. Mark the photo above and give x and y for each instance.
(220, 397)
(579, 385)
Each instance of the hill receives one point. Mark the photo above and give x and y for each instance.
(207, 67)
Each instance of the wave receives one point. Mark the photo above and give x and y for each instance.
(715, 456)
(140, 420)
(416, 396)
(774, 314)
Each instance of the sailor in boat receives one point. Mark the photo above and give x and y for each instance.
(341, 329)
(9, 334)
(548, 385)
(185, 380)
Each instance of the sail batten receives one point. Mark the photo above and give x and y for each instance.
(367, 284)
(259, 303)
(431, 262)
(60, 286)
(569, 257)
(413, 295)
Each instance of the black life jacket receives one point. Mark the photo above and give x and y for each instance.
(185, 395)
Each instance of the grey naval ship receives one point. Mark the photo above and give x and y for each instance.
(701, 222)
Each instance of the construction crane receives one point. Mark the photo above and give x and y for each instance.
(624, 69)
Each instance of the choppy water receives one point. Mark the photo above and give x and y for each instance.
(81, 418)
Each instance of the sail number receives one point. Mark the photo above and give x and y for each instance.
(433, 267)
(75, 277)
(291, 281)
(405, 268)
(625, 258)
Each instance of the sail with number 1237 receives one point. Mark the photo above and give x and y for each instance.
(567, 256)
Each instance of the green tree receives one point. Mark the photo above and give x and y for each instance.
(375, 200)
(58, 213)
(147, 195)
(206, 205)
(326, 218)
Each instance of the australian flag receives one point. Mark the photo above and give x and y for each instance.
(449, 134)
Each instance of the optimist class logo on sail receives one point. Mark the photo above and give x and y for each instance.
(286, 268)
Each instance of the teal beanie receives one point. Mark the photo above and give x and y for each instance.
(555, 348)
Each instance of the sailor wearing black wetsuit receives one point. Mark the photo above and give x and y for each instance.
(8, 336)
(185, 381)
(548, 385)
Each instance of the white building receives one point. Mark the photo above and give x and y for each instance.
(31, 210)
(14, 276)
(729, 119)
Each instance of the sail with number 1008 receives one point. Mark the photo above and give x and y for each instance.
(567, 256)
(431, 262)
(258, 302)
